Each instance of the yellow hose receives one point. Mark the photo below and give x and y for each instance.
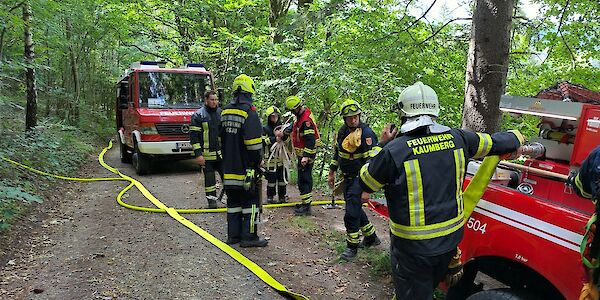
(479, 183)
(175, 214)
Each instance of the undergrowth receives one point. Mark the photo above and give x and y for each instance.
(53, 146)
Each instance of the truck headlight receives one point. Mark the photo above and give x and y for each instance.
(148, 129)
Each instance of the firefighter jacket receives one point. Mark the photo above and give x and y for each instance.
(587, 180)
(351, 162)
(268, 140)
(241, 137)
(204, 133)
(305, 135)
(423, 176)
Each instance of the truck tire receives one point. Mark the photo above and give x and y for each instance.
(141, 162)
(501, 294)
(124, 152)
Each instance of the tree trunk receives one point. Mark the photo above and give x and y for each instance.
(31, 111)
(487, 65)
(74, 106)
(277, 9)
(2, 40)
(48, 76)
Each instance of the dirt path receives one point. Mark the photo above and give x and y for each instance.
(80, 244)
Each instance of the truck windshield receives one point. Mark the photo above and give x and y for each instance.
(172, 90)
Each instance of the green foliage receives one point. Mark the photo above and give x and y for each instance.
(8, 194)
(52, 146)
(307, 224)
(377, 259)
(526, 124)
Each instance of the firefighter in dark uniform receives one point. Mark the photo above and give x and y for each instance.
(204, 136)
(586, 181)
(305, 136)
(422, 171)
(274, 166)
(241, 137)
(356, 143)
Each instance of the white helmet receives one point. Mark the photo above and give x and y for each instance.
(418, 99)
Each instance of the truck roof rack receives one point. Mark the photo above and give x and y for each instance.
(541, 107)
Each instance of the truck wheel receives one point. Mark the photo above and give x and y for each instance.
(124, 152)
(141, 162)
(501, 294)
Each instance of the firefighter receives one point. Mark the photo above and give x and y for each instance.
(422, 171)
(242, 153)
(274, 166)
(356, 143)
(204, 136)
(586, 181)
(305, 136)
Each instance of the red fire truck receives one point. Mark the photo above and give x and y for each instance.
(154, 108)
(527, 228)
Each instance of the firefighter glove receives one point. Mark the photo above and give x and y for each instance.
(455, 270)
(589, 292)
(249, 182)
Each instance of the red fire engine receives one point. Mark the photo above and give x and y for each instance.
(154, 108)
(527, 228)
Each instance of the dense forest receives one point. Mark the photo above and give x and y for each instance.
(59, 60)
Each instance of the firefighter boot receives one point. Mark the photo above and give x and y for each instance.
(212, 201)
(282, 199)
(249, 235)
(302, 210)
(270, 200)
(234, 228)
(368, 241)
(349, 253)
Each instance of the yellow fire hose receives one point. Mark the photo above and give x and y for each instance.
(479, 183)
(175, 214)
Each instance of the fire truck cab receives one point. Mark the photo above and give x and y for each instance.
(154, 106)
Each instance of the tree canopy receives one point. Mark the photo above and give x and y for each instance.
(322, 50)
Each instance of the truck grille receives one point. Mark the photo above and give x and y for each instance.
(173, 129)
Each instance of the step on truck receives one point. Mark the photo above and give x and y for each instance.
(153, 111)
(525, 232)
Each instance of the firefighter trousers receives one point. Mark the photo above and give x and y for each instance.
(242, 214)
(355, 218)
(210, 181)
(275, 183)
(416, 276)
(305, 182)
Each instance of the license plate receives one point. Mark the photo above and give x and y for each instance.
(184, 146)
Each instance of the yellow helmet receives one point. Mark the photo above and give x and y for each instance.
(418, 99)
(292, 102)
(272, 110)
(245, 83)
(350, 108)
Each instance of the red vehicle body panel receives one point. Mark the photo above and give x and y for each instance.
(542, 234)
